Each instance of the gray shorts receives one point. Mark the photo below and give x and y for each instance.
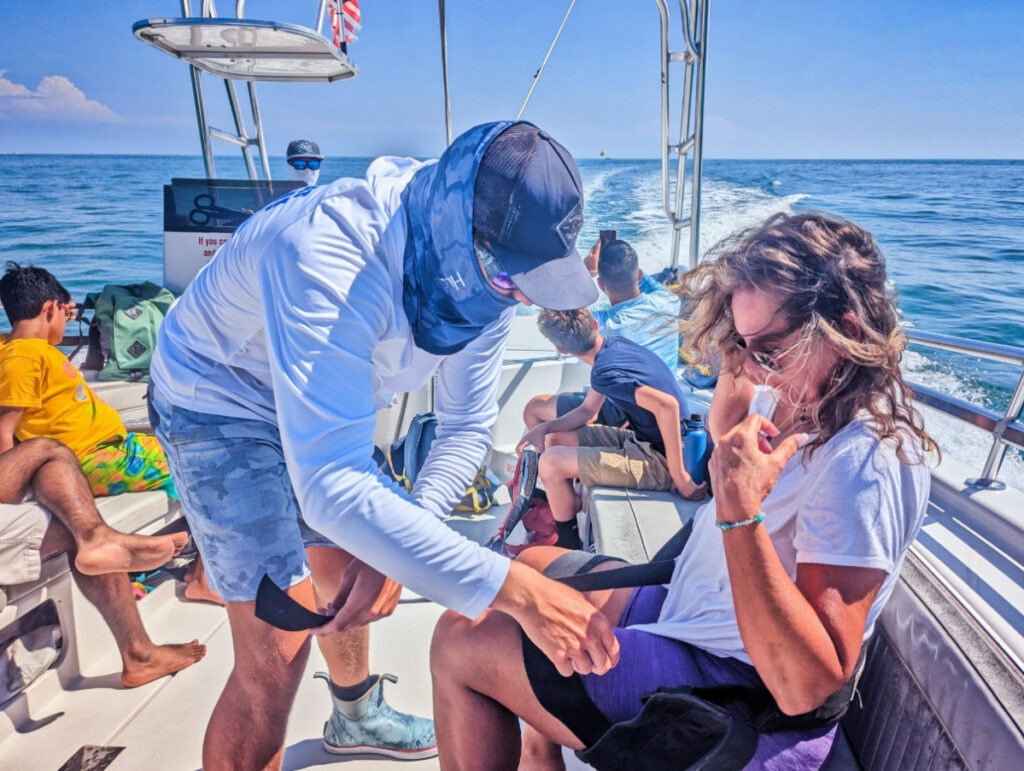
(231, 476)
(22, 527)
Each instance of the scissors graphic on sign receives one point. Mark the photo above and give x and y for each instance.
(206, 211)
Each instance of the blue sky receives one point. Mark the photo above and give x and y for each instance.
(786, 79)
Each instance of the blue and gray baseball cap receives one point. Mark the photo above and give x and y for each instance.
(528, 204)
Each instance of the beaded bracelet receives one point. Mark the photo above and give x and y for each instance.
(723, 526)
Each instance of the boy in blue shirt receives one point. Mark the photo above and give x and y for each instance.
(639, 309)
(648, 455)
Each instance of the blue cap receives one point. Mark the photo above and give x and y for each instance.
(528, 204)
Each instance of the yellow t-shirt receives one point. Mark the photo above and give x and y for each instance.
(57, 401)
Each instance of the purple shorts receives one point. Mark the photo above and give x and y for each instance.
(648, 661)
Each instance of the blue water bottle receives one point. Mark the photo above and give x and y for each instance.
(695, 449)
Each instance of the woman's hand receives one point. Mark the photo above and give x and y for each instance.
(744, 467)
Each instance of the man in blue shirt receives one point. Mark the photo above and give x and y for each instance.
(642, 310)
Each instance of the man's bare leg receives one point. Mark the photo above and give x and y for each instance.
(347, 654)
(197, 586)
(247, 728)
(53, 474)
(142, 660)
(480, 686)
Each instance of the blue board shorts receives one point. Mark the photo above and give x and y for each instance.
(234, 487)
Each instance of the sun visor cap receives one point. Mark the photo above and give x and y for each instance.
(528, 204)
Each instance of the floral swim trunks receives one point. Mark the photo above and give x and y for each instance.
(128, 464)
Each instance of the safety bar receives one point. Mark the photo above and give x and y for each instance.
(1007, 430)
(694, 19)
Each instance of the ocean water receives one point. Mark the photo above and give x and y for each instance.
(952, 232)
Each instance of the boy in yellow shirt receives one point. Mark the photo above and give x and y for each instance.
(43, 394)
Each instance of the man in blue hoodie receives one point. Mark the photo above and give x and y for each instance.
(267, 379)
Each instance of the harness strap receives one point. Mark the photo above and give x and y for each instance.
(657, 572)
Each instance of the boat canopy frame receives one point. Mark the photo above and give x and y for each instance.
(241, 49)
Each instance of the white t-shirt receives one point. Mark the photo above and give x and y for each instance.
(298, 321)
(853, 503)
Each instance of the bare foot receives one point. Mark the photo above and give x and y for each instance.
(159, 660)
(122, 553)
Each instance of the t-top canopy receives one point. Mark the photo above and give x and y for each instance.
(244, 49)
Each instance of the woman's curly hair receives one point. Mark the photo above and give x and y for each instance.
(825, 269)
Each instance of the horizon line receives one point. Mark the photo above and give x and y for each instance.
(14, 153)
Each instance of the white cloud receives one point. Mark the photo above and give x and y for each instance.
(55, 99)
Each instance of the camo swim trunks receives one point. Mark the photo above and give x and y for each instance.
(237, 497)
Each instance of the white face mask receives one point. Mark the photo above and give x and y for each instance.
(309, 176)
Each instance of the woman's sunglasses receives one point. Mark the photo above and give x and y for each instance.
(768, 360)
(492, 269)
(302, 165)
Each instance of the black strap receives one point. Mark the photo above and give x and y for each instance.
(654, 573)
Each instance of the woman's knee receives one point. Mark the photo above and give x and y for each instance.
(539, 557)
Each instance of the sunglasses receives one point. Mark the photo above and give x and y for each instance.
(768, 360)
(302, 165)
(492, 269)
(70, 309)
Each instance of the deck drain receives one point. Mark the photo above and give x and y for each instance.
(90, 757)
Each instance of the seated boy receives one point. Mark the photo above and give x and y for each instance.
(640, 309)
(42, 394)
(648, 455)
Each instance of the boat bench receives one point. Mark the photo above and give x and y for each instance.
(921, 704)
(144, 513)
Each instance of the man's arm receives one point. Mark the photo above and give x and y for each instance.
(665, 409)
(9, 419)
(466, 409)
(578, 417)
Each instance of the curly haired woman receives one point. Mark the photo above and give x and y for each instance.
(820, 486)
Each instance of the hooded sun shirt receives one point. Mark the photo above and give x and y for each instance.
(300, 320)
(447, 299)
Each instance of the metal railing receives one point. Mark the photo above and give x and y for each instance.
(694, 18)
(1006, 429)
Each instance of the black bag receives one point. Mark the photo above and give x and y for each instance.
(675, 729)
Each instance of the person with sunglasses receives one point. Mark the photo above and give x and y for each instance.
(304, 161)
(820, 486)
(268, 375)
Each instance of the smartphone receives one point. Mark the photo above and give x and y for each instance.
(607, 236)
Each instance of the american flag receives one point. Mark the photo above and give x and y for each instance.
(347, 17)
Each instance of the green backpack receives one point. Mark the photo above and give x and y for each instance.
(124, 325)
